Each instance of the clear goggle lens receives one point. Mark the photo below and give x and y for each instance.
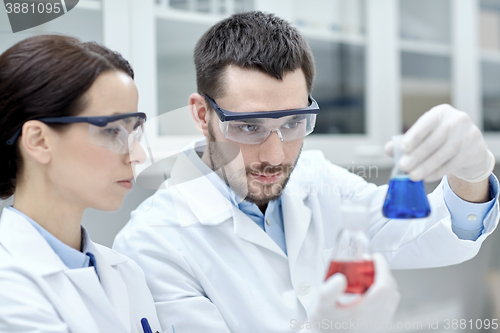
(257, 130)
(119, 136)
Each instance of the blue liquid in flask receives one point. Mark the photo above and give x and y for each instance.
(406, 199)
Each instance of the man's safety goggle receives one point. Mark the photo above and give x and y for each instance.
(117, 133)
(256, 127)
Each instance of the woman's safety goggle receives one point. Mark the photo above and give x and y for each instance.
(117, 133)
(256, 127)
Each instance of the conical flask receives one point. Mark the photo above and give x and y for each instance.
(405, 199)
(352, 256)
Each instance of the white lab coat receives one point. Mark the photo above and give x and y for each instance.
(210, 268)
(38, 293)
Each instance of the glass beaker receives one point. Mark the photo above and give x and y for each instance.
(405, 198)
(352, 256)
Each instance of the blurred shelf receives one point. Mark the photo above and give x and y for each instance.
(162, 12)
(429, 48)
(493, 142)
(89, 5)
(426, 87)
(186, 16)
(490, 55)
(363, 151)
(333, 36)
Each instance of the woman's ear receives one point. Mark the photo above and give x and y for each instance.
(199, 112)
(34, 141)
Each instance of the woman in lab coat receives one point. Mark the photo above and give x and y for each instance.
(68, 120)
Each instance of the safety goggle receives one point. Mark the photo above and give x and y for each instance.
(256, 127)
(118, 133)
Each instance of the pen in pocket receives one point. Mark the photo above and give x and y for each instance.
(145, 326)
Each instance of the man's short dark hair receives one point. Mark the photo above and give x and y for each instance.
(251, 40)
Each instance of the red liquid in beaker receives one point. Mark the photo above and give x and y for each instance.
(359, 274)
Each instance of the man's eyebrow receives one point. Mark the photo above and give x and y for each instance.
(251, 120)
(295, 117)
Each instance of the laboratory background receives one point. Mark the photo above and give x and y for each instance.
(380, 65)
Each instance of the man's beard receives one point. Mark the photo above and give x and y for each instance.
(256, 192)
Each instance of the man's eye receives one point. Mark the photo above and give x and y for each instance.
(249, 128)
(292, 125)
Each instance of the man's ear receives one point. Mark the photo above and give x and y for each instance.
(34, 141)
(199, 112)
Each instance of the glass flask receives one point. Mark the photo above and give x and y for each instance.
(405, 198)
(352, 256)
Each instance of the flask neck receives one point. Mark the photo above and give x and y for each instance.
(352, 245)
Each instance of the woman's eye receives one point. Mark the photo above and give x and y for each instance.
(111, 131)
(248, 128)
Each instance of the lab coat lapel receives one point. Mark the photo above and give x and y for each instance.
(296, 219)
(109, 295)
(196, 198)
(248, 230)
(30, 250)
(72, 308)
(114, 286)
(85, 280)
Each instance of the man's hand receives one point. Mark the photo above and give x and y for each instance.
(375, 308)
(445, 141)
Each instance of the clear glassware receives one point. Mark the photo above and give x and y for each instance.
(405, 198)
(352, 256)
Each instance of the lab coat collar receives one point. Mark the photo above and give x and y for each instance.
(71, 257)
(27, 246)
(30, 250)
(211, 207)
(200, 190)
(296, 217)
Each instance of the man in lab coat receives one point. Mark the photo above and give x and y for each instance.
(235, 241)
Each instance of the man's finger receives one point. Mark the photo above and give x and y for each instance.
(389, 148)
(425, 150)
(421, 129)
(333, 288)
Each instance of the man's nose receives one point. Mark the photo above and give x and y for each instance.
(271, 150)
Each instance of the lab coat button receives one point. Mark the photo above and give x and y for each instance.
(268, 222)
(303, 289)
(472, 217)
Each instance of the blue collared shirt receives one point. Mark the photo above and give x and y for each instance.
(69, 256)
(271, 222)
(466, 217)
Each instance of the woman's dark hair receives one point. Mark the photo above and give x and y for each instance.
(251, 40)
(45, 76)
